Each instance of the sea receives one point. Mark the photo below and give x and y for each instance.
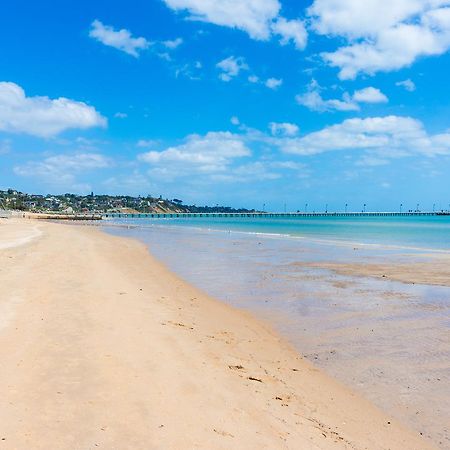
(388, 340)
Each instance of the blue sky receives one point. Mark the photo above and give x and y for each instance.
(229, 101)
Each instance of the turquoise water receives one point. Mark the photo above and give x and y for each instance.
(410, 231)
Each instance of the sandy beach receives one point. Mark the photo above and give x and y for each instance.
(103, 347)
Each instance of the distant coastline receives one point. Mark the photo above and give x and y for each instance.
(12, 199)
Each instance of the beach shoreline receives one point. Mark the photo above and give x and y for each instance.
(104, 347)
(385, 339)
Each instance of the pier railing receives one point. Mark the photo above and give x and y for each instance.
(273, 215)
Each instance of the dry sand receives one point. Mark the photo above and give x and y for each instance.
(21, 233)
(103, 347)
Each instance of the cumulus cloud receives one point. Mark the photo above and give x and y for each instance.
(62, 170)
(260, 19)
(283, 129)
(381, 39)
(121, 40)
(291, 30)
(407, 84)
(353, 18)
(252, 16)
(211, 153)
(224, 156)
(313, 99)
(390, 136)
(273, 83)
(369, 95)
(231, 67)
(172, 44)
(42, 116)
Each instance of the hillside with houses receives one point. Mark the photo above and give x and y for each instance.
(97, 204)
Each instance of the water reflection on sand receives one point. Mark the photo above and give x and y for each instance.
(387, 339)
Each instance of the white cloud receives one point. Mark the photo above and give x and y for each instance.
(70, 163)
(291, 30)
(369, 95)
(259, 171)
(172, 44)
(390, 136)
(260, 19)
(379, 38)
(394, 48)
(235, 120)
(211, 153)
(121, 39)
(231, 67)
(120, 115)
(190, 70)
(273, 83)
(355, 18)
(283, 129)
(227, 157)
(252, 16)
(407, 84)
(313, 99)
(146, 143)
(42, 116)
(61, 170)
(165, 56)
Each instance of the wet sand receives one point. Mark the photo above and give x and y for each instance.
(106, 348)
(386, 339)
(436, 271)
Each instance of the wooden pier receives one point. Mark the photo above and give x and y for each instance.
(58, 216)
(263, 215)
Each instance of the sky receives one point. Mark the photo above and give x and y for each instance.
(282, 103)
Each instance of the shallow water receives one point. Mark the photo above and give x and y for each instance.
(388, 340)
(407, 231)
